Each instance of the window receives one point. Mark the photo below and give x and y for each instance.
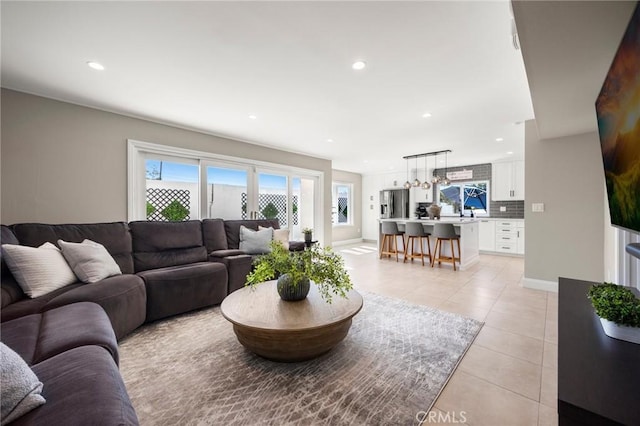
(171, 189)
(470, 196)
(174, 184)
(341, 209)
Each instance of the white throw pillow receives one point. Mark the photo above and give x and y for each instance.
(20, 387)
(281, 235)
(90, 261)
(38, 270)
(255, 242)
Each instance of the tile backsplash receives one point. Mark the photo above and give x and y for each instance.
(514, 209)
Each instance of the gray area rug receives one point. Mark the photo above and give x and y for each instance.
(191, 370)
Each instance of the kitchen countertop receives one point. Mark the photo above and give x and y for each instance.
(454, 220)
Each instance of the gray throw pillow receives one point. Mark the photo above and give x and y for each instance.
(38, 270)
(255, 242)
(20, 387)
(90, 261)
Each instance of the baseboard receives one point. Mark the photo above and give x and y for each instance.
(346, 242)
(540, 284)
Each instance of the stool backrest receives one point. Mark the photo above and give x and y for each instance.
(414, 229)
(444, 230)
(390, 228)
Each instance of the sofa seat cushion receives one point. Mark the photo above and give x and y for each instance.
(183, 288)
(27, 306)
(123, 298)
(41, 336)
(82, 386)
(21, 389)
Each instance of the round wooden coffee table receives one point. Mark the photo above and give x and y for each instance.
(289, 331)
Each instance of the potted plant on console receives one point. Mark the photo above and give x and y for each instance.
(295, 270)
(308, 235)
(618, 309)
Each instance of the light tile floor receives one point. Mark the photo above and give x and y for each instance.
(509, 375)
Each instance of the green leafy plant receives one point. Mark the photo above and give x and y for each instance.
(270, 211)
(320, 265)
(307, 230)
(175, 211)
(615, 303)
(150, 209)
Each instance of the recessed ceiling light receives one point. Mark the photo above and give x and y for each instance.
(365, 161)
(95, 65)
(499, 139)
(359, 65)
(509, 152)
(253, 117)
(426, 115)
(330, 140)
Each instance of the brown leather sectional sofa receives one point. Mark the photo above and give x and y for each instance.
(168, 268)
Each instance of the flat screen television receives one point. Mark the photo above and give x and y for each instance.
(618, 112)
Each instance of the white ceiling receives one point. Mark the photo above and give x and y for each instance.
(209, 65)
(568, 48)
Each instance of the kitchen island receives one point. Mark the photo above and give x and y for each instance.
(467, 229)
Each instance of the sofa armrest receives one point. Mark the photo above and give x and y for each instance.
(226, 253)
(238, 267)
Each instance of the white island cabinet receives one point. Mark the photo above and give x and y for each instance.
(468, 229)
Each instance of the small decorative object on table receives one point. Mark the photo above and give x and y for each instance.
(434, 211)
(308, 234)
(295, 269)
(618, 309)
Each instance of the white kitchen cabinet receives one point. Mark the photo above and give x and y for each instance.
(487, 235)
(419, 195)
(520, 240)
(507, 181)
(509, 236)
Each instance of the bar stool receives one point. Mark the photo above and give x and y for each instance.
(390, 235)
(445, 232)
(412, 231)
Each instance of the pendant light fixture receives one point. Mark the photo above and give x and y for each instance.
(436, 179)
(407, 184)
(446, 180)
(425, 184)
(416, 182)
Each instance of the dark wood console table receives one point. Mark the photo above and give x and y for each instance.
(598, 377)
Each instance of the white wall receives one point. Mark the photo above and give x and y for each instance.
(65, 163)
(567, 239)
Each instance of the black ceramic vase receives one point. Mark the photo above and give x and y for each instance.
(289, 292)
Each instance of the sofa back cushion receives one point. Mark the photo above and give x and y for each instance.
(161, 244)
(113, 236)
(11, 291)
(232, 229)
(214, 235)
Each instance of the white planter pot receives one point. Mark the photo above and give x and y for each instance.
(621, 332)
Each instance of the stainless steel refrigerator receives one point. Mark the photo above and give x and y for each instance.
(394, 203)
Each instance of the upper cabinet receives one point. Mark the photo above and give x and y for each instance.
(419, 195)
(507, 181)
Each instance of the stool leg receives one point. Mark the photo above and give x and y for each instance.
(395, 244)
(385, 244)
(421, 251)
(429, 248)
(406, 250)
(453, 255)
(435, 251)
